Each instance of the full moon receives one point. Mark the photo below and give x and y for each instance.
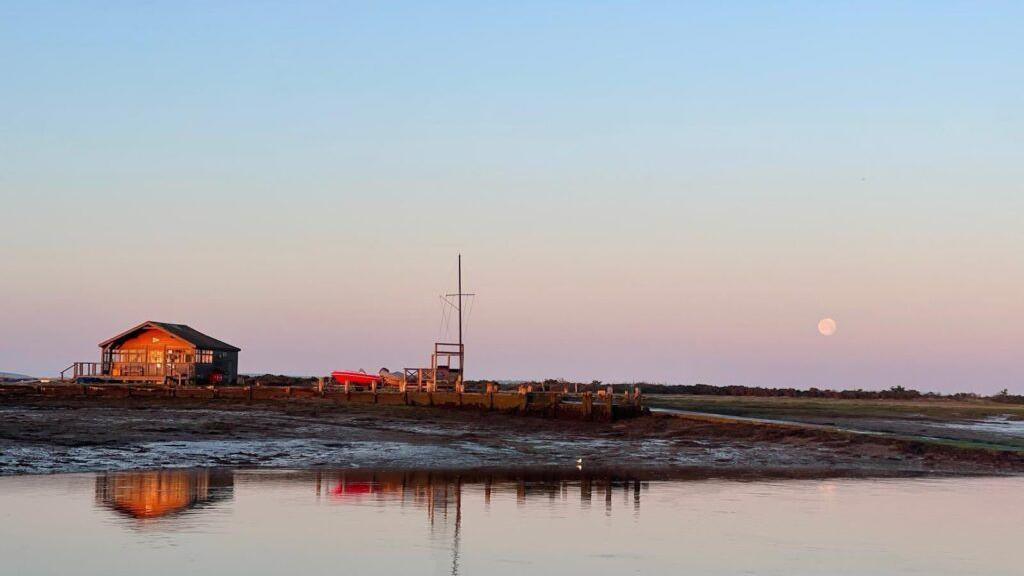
(827, 326)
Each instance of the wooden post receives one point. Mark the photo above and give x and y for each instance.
(588, 404)
(320, 385)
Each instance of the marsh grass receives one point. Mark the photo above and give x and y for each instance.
(824, 408)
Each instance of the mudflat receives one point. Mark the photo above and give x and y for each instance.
(976, 422)
(47, 435)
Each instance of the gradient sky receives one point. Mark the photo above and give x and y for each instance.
(663, 191)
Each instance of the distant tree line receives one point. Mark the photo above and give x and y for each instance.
(556, 384)
(893, 393)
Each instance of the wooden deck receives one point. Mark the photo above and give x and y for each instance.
(126, 372)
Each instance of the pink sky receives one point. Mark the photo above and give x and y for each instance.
(676, 194)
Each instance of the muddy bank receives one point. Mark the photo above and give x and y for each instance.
(52, 435)
(978, 423)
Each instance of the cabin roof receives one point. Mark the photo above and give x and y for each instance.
(186, 333)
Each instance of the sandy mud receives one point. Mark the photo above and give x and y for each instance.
(48, 436)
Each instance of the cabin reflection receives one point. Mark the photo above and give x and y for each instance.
(156, 494)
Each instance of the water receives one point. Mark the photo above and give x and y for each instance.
(1000, 425)
(258, 522)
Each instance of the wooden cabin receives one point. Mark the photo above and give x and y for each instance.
(162, 352)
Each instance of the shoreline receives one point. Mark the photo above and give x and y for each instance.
(53, 435)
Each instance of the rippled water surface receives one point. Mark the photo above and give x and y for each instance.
(310, 523)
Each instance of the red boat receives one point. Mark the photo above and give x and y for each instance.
(355, 378)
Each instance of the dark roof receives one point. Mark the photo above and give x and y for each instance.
(186, 333)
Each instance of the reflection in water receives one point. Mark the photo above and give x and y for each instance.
(440, 494)
(385, 523)
(437, 492)
(158, 493)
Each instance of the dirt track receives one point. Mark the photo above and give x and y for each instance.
(51, 435)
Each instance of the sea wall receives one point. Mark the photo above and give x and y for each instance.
(583, 406)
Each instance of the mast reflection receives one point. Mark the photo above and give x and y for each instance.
(437, 491)
(440, 493)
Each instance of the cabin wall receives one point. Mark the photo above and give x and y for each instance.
(224, 363)
(155, 339)
(148, 354)
(227, 363)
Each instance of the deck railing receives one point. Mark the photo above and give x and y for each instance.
(81, 369)
(127, 370)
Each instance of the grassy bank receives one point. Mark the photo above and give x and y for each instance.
(818, 409)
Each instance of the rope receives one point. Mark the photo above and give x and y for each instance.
(469, 314)
(446, 316)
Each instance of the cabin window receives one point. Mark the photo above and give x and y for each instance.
(128, 356)
(205, 357)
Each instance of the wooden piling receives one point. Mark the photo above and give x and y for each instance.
(490, 398)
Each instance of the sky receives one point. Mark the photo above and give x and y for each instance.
(641, 191)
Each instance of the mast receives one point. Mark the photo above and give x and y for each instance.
(457, 304)
(460, 303)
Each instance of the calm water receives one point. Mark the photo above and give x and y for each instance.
(307, 523)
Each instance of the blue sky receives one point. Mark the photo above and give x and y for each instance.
(665, 191)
